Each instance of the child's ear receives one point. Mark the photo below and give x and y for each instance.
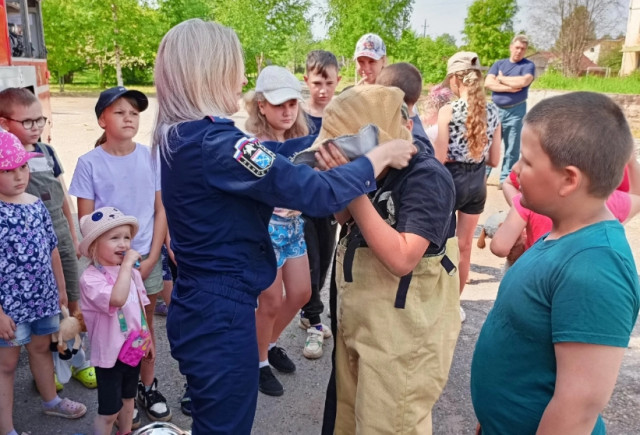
(101, 122)
(306, 79)
(572, 180)
(4, 123)
(339, 78)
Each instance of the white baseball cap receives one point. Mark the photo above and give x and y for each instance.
(278, 85)
(370, 45)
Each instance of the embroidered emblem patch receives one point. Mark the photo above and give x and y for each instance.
(251, 154)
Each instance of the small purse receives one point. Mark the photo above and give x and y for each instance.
(138, 341)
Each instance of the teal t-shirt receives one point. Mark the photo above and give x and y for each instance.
(581, 288)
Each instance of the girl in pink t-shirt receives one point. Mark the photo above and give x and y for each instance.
(623, 204)
(112, 296)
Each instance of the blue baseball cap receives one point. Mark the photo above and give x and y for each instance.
(109, 96)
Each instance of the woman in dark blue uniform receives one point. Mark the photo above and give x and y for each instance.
(219, 187)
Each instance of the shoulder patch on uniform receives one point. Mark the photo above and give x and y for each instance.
(254, 156)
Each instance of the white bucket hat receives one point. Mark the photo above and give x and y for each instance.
(99, 222)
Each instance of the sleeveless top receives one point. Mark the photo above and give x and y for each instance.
(458, 146)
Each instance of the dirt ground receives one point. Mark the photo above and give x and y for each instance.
(300, 409)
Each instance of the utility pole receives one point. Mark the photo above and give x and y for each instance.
(424, 29)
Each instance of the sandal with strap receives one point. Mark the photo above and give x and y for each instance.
(67, 408)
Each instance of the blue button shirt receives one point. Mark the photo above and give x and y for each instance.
(219, 187)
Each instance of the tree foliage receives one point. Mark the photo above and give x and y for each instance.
(65, 38)
(348, 20)
(569, 25)
(271, 31)
(488, 28)
(577, 29)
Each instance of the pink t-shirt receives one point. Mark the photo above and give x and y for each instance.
(101, 319)
(618, 203)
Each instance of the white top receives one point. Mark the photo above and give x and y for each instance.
(128, 183)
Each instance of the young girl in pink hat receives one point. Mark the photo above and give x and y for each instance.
(31, 286)
(112, 295)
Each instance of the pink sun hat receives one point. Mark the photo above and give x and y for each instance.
(12, 153)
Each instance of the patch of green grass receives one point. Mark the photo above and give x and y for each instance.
(85, 83)
(609, 85)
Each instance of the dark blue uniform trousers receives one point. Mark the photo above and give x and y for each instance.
(212, 333)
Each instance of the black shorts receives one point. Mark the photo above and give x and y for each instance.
(114, 384)
(471, 186)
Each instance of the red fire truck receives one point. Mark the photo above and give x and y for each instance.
(23, 56)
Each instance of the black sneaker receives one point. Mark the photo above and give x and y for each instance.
(269, 385)
(280, 361)
(185, 402)
(154, 403)
(135, 423)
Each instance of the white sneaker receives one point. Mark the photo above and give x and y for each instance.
(305, 324)
(463, 315)
(313, 345)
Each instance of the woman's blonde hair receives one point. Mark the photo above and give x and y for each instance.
(198, 71)
(476, 123)
(257, 123)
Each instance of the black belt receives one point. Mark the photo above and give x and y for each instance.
(357, 241)
(511, 106)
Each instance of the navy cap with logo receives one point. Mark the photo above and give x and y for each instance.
(109, 96)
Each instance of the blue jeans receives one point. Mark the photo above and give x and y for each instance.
(511, 120)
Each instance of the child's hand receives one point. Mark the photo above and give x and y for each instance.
(145, 268)
(130, 257)
(7, 327)
(151, 351)
(62, 296)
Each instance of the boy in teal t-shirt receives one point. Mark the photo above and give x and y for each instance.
(548, 355)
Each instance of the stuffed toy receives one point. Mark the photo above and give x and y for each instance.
(69, 330)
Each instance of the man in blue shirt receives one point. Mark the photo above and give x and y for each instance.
(509, 80)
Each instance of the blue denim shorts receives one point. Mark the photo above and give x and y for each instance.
(287, 238)
(24, 331)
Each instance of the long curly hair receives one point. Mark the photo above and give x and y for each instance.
(257, 123)
(476, 123)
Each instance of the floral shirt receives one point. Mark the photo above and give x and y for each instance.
(28, 290)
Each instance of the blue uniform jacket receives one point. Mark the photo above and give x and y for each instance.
(219, 187)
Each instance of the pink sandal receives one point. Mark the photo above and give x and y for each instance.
(67, 409)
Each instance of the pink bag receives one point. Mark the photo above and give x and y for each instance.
(136, 346)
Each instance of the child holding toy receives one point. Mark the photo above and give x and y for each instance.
(112, 297)
(31, 286)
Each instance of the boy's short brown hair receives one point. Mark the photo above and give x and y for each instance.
(405, 76)
(586, 130)
(319, 61)
(11, 97)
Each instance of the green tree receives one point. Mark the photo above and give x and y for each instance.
(488, 28)
(270, 30)
(177, 11)
(121, 34)
(348, 20)
(577, 29)
(65, 37)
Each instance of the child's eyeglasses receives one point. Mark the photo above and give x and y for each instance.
(29, 123)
